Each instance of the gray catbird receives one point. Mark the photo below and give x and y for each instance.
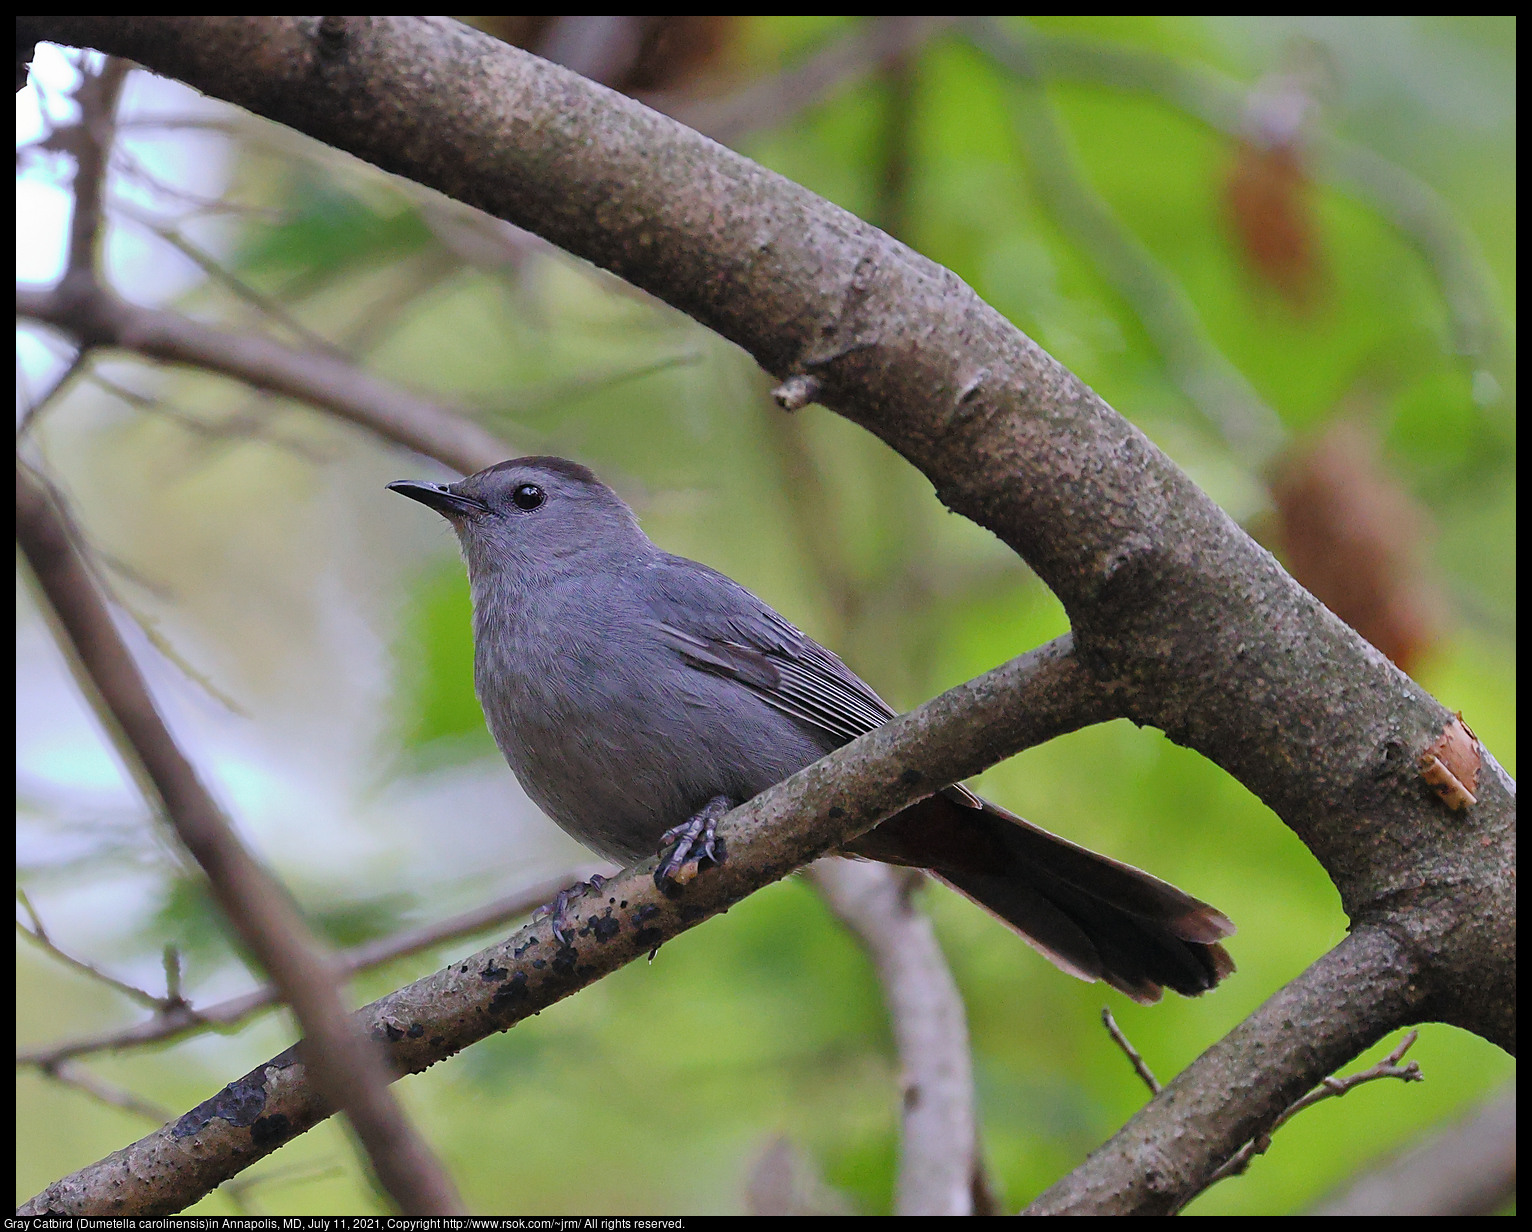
(638, 696)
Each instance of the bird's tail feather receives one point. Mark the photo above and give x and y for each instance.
(1090, 915)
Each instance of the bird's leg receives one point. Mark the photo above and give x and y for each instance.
(558, 909)
(684, 847)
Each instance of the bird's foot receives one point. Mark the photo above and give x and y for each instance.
(558, 910)
(683, 848)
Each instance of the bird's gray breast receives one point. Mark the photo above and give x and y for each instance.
(610, 731)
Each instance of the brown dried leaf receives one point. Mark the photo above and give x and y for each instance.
(1349, 531)
(1268, 202)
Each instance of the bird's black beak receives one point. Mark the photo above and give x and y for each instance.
(440, 497)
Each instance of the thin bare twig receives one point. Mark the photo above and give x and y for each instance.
(98, 563)
(1330, 1088)
(214, 269)
(175, 1022)
(1467, 1167)
(172, 961)
(1169, 595)
(81, 1079)
(1242, 1085)
(241, 425)
(335, 385)
(1022, 703)
(1140, 1066)
(43, 401)
(90, 141)
(38, 935)
(96, 316)
(129, 166)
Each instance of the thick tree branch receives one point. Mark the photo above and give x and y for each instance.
(1020, 704)
(347, 1067)
(1200, 631)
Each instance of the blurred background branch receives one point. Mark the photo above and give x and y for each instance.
(1466, 1168)
(939, 1155)
(344, 1063)
(1211, 383)
(175, 1018)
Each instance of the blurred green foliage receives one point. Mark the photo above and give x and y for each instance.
(655, 1090)
(436, 670)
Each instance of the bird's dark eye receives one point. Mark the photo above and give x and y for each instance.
(528, 496)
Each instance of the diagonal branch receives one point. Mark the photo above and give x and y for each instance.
(90, 141)
(71, 1074)
(1244, 1084)
(266, 305)
(1135, 1058)
(347, 1068)
(1331, 1088)
(173, 1022)
(99, 317)
(1017, 705)
(38, 935)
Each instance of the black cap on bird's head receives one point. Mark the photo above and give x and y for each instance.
(538, 505)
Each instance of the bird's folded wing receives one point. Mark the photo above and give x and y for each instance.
(732, 633)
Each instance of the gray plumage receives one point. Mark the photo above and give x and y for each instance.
(628, 688)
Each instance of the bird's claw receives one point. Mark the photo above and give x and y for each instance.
(558, 909)
(683, 848)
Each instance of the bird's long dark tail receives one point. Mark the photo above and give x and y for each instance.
(1090, 915)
